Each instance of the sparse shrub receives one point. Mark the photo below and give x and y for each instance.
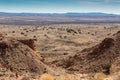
(35, 39)
(60, 36)
(109, 34)
(25, 35)
(100, 76)
(104, 27)
(88, 32)
(71, 31)
(22, 33)
(13, 31)
(118, 32)
(25, 78)
(65, 53)
(95, 32)
(79, 31)
(34, 36)
(92, 34)
(46, 77)
(27, 31)
(65, 36)
(46, 35)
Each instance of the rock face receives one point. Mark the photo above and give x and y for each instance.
(29, 42)
(103, 57)
(19, 56)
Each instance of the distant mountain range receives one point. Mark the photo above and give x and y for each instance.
(91, 14)
(58, 18)
(57, 14)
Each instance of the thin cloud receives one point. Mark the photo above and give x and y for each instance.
(99, 1)
(90, 2)
(110, 1)
(87, 2)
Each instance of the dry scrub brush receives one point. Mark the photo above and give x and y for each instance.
(100, 76)
(50, 77)
(46, 77)
(65, 78)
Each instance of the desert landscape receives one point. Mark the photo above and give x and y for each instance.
(59, 39)
(60, 52)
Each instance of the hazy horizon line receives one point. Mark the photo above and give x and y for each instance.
(57, 12)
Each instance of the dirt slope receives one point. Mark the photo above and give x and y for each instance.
(18, 56)
(99, 58)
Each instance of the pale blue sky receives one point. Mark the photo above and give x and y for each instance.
(60, 6)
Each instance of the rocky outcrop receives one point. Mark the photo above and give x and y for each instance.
(28, 42)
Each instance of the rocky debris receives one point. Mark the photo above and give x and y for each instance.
(115, 67)
(103, 57)
(28, 42)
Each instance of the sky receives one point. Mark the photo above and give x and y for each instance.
(60, 6)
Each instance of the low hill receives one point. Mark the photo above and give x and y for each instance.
(104, 57)
(19, 56)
